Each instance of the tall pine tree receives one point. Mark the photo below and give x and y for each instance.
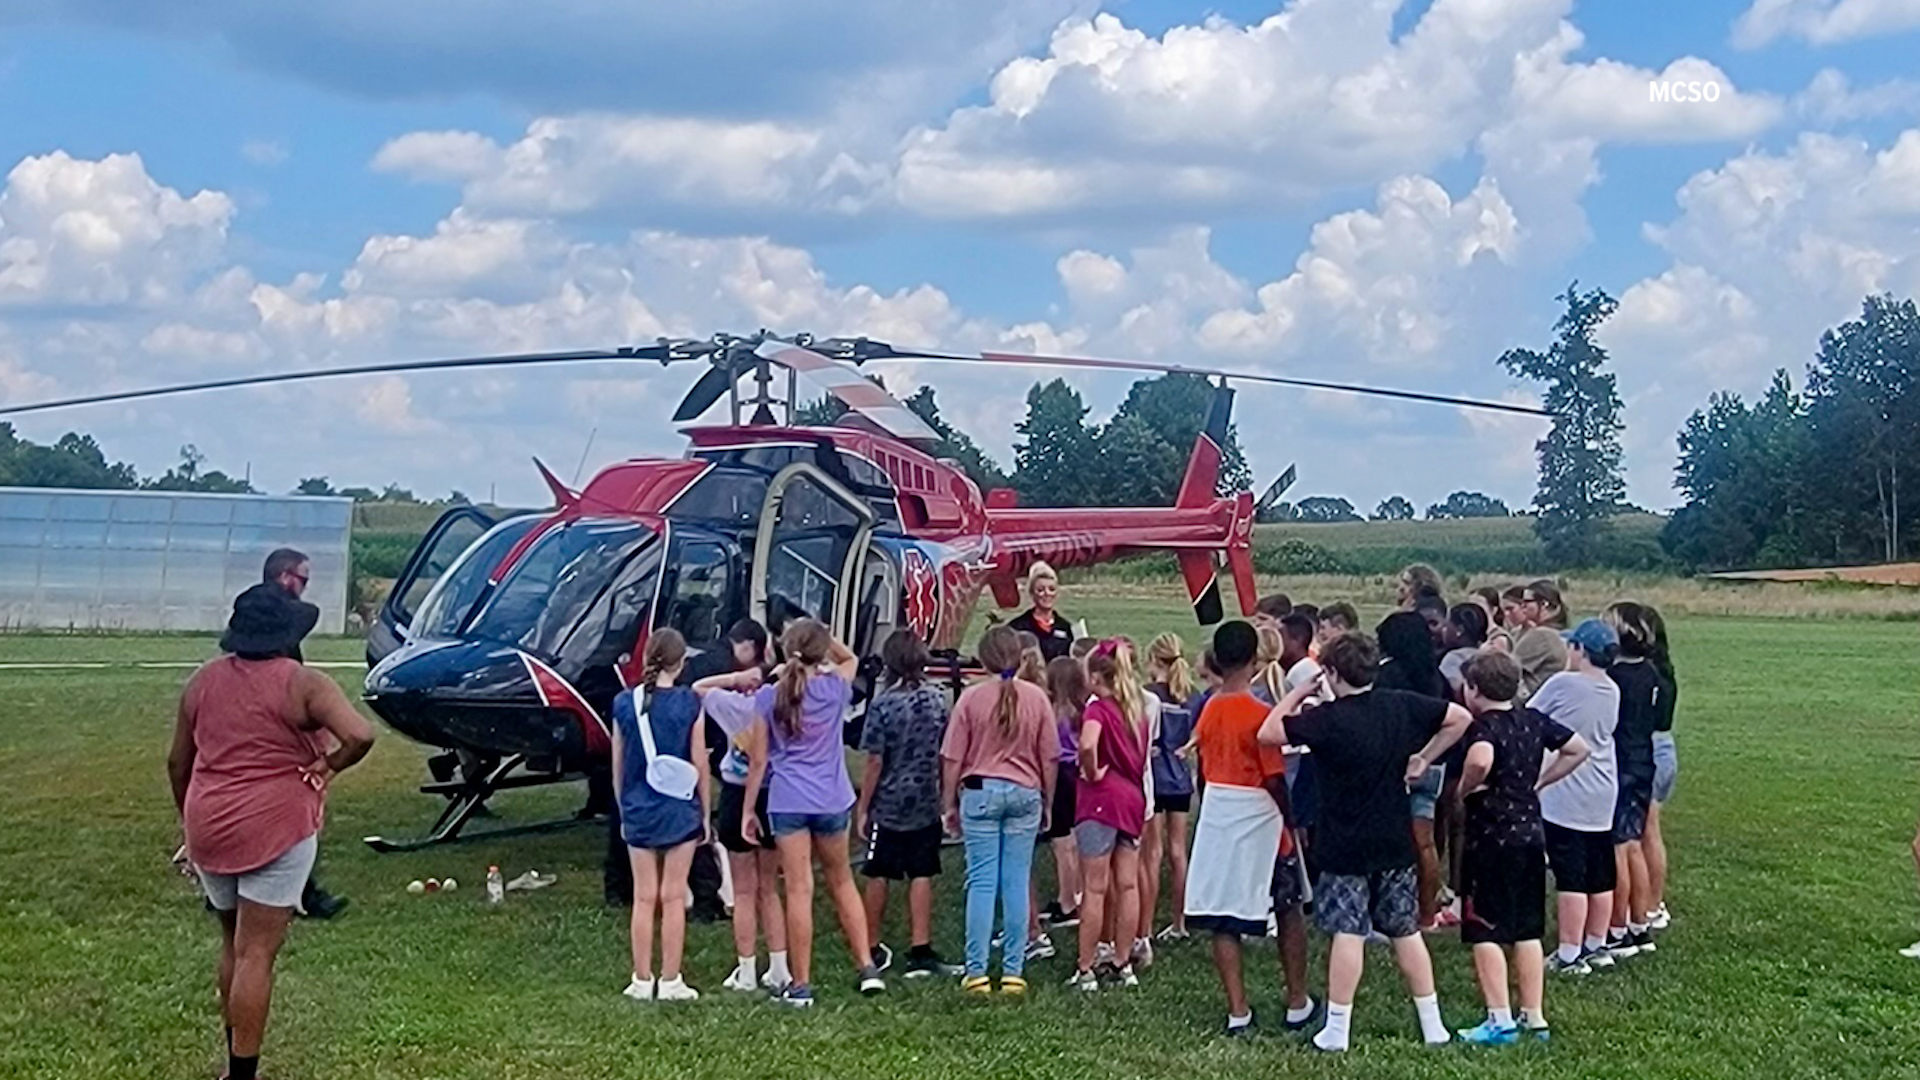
(1580, 482)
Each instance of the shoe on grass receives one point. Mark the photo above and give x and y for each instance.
(675, 989)
(1173, 933)
(1013, 986)
(1237, 1031)
(1599, 958)
(1911, 952)
(1084, 981)
(1127, 978)
(1622, 946)
(1577, 966)
(639, 989)
(930, 964)
(1486, 1033)
(796, 996)
(882, 956)
(978, 985)
(1659, 918)
(741, 981)
(870, 981)
(1040, 948)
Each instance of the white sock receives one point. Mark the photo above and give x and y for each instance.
(1532, 1021)
(746, 969)
(1299, 1015)
(1568, 953)
(1333, 1036)
(777, 967)
(1500, 1017)
(1432, 1028)
(1616, 931)
(1235, 1023)
(1636, 930)
(1595, 944)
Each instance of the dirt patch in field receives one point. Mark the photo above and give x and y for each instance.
(1889, 574)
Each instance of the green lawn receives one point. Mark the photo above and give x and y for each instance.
(1792, 890)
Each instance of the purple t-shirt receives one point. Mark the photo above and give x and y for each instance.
(807, 773)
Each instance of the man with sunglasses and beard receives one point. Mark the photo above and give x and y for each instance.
(288, 572)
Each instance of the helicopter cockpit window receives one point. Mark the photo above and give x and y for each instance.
(452, 597)
(722, 494)
(698, 608)
(811, 539)
(558, 582)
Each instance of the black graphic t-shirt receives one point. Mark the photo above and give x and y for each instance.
(905, 727)
(1506, 813)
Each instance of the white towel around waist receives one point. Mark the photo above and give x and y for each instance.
(1234, 846)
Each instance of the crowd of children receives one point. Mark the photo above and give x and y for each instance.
(1423, 777)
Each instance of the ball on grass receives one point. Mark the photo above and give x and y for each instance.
(449, 885)
(416, 887)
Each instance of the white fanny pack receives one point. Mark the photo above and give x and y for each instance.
(670, 776)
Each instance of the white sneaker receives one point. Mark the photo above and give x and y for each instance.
(675, 989)
(639, 989)
(1911, 952)
(1659, 918)
(1142, 954)
(1103, 957)
(1128, 978)
(773, 985)
(741, 981)
(1040, 948)
(1084, 981)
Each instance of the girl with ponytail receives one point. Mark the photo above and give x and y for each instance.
(661, 827)
(1112, 809)
(796, 750)
(998, 761)
(1174, 684)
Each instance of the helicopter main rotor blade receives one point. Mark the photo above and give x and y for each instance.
(873, 351)
(711, 386)
(663, 353)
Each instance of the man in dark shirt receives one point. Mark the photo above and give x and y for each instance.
(287, 573)
(1504, 873)
(1369, 746)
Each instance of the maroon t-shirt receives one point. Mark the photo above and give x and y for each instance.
(1119, 798)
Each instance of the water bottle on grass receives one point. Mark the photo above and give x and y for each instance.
(496, 889)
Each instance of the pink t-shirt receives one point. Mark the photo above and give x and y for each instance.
(982, 748)
(248, 801)
(1118, 798)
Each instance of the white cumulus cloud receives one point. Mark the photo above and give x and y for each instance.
(1823, 22)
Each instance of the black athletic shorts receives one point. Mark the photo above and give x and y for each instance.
(733, 800)
(905, 855)
(1630, 810)
(1582, 862)
(1173, 804)
(1504, 895)
(1061, 827)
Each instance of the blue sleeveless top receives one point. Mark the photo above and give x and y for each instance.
(649, 819)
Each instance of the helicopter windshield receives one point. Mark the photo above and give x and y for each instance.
(576, 574)
(451, 599)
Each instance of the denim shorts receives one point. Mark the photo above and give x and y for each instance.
(1097, 839)
(1426, 793)
(1666, 766)
(817, 824)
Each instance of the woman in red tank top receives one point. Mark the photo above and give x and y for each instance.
(256, 739)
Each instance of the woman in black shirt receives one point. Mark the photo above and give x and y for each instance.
(1042, 620)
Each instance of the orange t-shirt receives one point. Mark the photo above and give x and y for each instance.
(1228, 736)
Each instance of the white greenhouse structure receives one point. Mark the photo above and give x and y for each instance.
(158, 561)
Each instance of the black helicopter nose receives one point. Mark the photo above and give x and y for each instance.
(472, 695)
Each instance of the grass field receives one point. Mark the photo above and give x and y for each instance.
(1792, 889)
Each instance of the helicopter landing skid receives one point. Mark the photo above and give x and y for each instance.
(468, 797)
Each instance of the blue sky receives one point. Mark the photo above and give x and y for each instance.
(1387, 192)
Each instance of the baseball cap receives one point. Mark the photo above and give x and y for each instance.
(1596, 639)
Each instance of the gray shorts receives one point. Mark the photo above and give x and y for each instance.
(1666, 766)
(1385, 900)
(277, 884)
(1097, 839)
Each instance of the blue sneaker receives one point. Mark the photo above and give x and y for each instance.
(1486, 1034)
(796, 996)
(1540, 1034)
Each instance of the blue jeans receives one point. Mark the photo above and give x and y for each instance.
(1000, 821)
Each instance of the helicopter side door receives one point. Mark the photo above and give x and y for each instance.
(454, 532)
(813, 537)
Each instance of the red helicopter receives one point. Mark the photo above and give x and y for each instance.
(504, 641)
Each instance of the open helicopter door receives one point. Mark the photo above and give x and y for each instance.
(452, 534)
(812, 541)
